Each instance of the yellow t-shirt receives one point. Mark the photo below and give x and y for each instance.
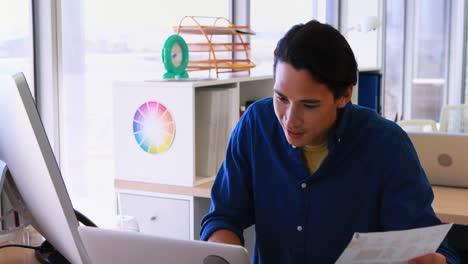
(314, 155)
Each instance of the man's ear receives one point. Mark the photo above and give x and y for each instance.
(345, 97)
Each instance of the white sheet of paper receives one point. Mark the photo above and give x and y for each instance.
(393, 246)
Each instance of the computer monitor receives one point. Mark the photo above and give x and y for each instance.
(25, 149)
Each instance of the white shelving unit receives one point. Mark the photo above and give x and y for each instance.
(161, 189)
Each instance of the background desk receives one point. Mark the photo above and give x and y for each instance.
(450, 204)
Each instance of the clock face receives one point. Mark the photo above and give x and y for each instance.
(176, 54)
(175, 57)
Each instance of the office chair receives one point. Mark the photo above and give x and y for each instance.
(454, 118)
(423, 125)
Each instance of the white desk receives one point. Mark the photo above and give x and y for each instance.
(450, 204)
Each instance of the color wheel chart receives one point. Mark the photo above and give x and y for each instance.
(153, 127)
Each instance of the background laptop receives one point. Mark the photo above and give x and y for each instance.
(443, 157)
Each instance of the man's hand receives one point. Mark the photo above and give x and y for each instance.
(432, 258)
(225, 236)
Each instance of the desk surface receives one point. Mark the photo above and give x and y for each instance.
(450, 204)
(17, 256)
(202, 190)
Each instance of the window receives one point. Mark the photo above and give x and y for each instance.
(417, 58)
(430, 58)
(104, 41)
(16, 39)
(271, 25)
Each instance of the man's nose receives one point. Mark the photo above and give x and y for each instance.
(293, 118)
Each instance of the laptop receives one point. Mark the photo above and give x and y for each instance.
(112, 246)
(443, 157)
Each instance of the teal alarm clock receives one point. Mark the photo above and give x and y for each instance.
(175, 57)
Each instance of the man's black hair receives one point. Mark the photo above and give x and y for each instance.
(322, 51)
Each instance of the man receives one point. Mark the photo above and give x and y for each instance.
(309, 169)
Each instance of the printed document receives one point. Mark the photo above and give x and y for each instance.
(393, 246)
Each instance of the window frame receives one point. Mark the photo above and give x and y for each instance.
(47, 69)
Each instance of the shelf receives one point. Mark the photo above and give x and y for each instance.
(203, 113)
(169, 191)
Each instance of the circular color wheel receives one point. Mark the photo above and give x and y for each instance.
(153, 127)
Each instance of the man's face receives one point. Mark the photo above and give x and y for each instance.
(305, 108)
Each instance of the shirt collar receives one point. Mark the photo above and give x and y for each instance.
(342, 120)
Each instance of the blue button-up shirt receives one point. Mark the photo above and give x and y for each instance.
(370, 181)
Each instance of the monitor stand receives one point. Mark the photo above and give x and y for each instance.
(46, 253)
(8, 186)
